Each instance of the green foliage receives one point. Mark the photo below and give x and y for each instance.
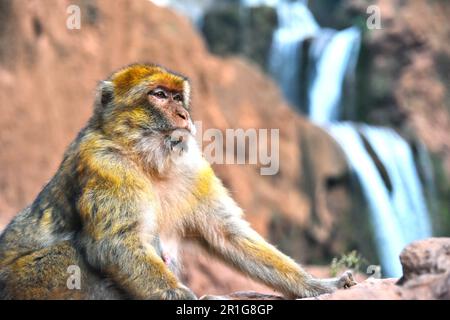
(352, 260)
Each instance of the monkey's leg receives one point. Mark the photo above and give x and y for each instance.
(230, 238)
(135, 268)
(56, 272)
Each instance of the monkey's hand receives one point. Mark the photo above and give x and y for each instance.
(179, 293)
(345, 280)
(317, 287)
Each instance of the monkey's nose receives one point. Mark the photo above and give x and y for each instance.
(182, 119)
(183, 114)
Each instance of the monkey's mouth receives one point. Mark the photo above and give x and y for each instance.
(178, 138)
(171, 131)
(176, 130)
(174, 143)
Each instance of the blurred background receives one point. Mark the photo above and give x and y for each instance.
(360, 90)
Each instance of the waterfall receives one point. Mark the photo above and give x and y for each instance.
(333, 53)
(333, 61)
(296, 24)
(399, 216)
(407, 198)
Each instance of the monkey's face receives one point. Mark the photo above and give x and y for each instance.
(168, 105)
(146, 107)
(146, 98)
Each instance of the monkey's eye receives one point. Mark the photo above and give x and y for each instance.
(178, 97)
(159, 94)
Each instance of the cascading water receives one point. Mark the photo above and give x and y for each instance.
(332, 61)
(400, 216)
(407, 197)
(388, 239)
(296, 24)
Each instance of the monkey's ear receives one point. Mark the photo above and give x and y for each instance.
(105, 93)
(187, 94)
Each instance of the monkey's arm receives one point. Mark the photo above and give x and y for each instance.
(112, 242)
(230, 238)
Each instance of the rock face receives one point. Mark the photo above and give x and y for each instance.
(409, 73)
(48, 74)
(426, 267)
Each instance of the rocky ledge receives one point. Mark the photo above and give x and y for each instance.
(426, 275)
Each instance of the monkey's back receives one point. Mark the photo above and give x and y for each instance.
(35, 262)
(48, 220)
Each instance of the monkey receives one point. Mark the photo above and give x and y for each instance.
(133, 176)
